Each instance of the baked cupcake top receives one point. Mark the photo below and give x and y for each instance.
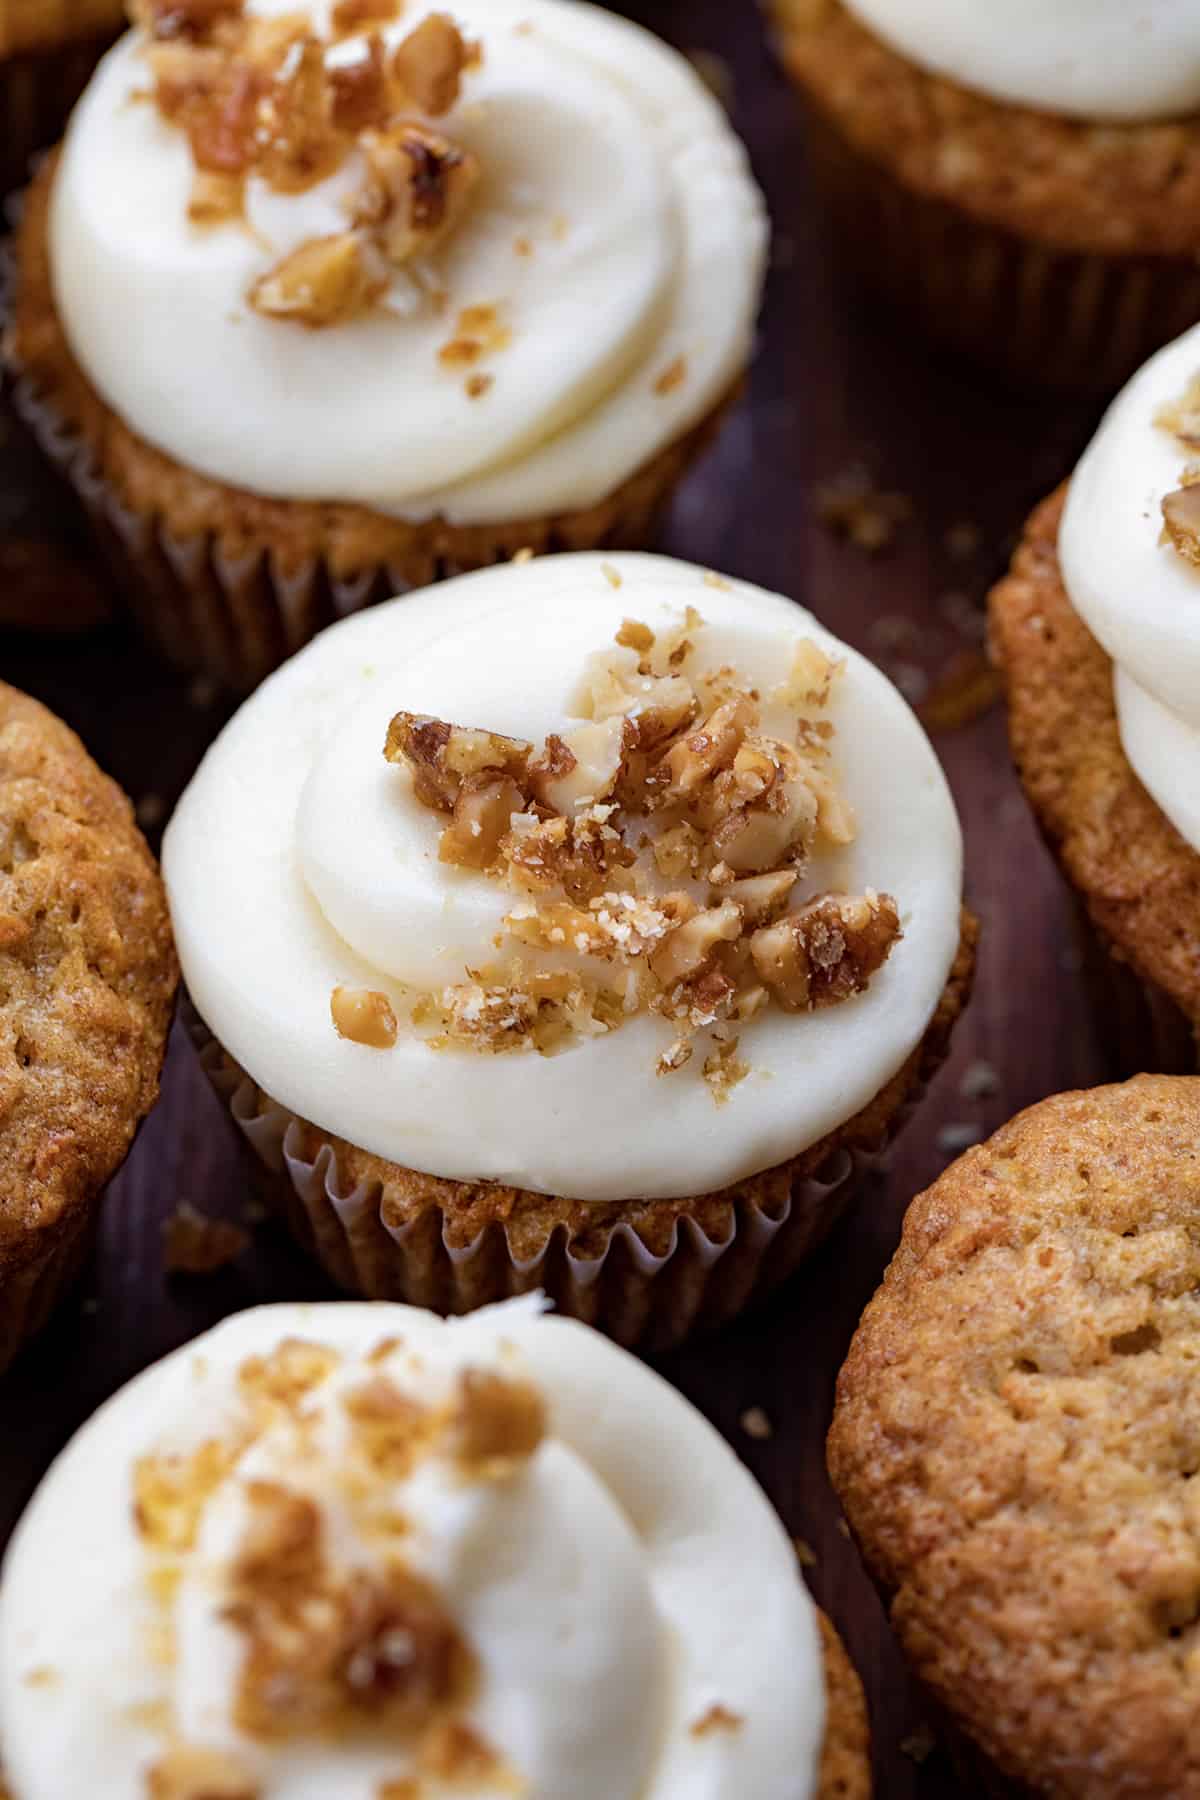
(1129, 548)
(359, 1549)
(1017, 1436)
(637, 870)
(482, 266)
(87, 976)
(1091, 59)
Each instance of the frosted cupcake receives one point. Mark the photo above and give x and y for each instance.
(318, 307)
(1023, 178)
(359, 1551)
(1097, 634)
(575, 925)
(48, 48)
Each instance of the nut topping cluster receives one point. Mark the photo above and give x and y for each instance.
(331, 1646)
(654, 854)
(1181, 507)
(263, 97)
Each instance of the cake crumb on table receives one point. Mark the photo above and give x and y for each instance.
(194, 1244)
(755, 1423)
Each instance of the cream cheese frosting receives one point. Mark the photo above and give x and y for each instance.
(617, 235)
(1137, 595)
(1123, 60)
(624, 1606)
(300, 862)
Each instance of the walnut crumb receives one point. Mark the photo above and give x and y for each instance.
(672, 377)
(806, 1556)
(364, 1017)
(499, 1424)
(194, 1244)
(755, 1423)
(190, 1773)
(478, 385)
(828, 951)
(919, 1745)
(430, 62)
(852, 507)
(717, 1718)
(327, 281)
(613, 577)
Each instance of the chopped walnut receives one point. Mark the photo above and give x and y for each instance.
(672, 377)
(827, 951)
(440, 756)
(636, 636)
(350, 16)
(327, 281)
(583, 766)
(190, 19)
(429, 64)
(577, 855)
(171, 1492)
(456, 1753)
(717, 1718)
(195, 1244)
(700, 755)
(723, 1069)
(478, 332)
(498, 1425)
(291, 1371)
(811, 677)
(692, 946)
(364, 1017)
(189, 1773)
(418, 185)
(389, 1428)
(298, 144)
(761, 898)
(359, 90)
(1181, 519)
(483, 814)
(1182, 417)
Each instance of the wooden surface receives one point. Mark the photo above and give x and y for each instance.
(833, 387)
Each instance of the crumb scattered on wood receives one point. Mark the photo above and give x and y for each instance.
(843, 1528)
(194, 1244)
(868, 517)
(962, 540)
(755, 1423)
(150, 811)
(967, 688)
(806, 1556)
(919, 1745)
(980, 1081)
(953, 1139)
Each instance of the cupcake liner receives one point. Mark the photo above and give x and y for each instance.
(237, 612)
(1035, 312)
(1140, 1029)
(29, 1294)
(641, 1298)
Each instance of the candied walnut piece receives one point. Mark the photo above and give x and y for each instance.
(364, 1017)
(774, 827)
(456, 1753)
(761, 898)
(221, 123)
(584, 766)
(717, 1718)
(187, 1772)
(429, 64)
(692, 946)
(440, 756)
(636, 636)
(327, 281)
(359, 94)
(194, 1244)
(417, 188)
(350, 16)
(483, 815)
(577, 855)
(1182, 417)
(283, 1378)
(390, 1428)
(724, 1069)
(215, 198)
(171, 1492)
(499, 1423)
(1181, 518)
(194, 20)
(282, 1542)
(298, 143)
(811, 677)
(827, 951)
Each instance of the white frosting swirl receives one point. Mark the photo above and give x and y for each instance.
(1124, 60)
(298, 861)
(618, 234)
(1138, 596)
(626, 1580)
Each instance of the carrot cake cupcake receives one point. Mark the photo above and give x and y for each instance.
(358, 1551)
(87, 979)
(1096, 632)
(318, 306)
(1025, 178)
(1016, 1435)
(574, 924)
(48, 48)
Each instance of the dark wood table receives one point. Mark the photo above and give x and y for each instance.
(836, 389)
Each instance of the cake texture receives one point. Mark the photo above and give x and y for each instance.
(87, 980)
(1056, 247)
(1014, 1442)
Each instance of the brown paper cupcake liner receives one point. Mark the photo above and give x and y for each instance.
(1035, 312)
(642, 1298)
(1137, 1025)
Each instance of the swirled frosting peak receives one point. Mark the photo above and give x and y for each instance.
(635, 869)
(357, 1550)
(1129, 546)
(482, 264)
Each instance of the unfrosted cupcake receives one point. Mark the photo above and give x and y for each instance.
(318, 307)
(87, 981)
(1096, 632)
(357, 1551)
(48, 48)
(1016, 1440)
(576, 925)
(1024, 178)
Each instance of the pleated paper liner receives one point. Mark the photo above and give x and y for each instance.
(1033, 312)
(1139, 1027)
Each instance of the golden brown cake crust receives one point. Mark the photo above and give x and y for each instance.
(1116, 189)
(346, 539)
(529, 1219)
(846, 1758)
(1139, 880)
(1016, 1435)
(87, 980)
